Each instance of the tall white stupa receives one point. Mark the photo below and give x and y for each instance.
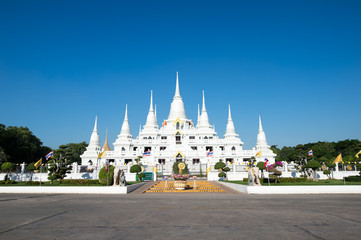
(178, 138)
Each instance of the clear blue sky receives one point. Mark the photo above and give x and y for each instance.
(297, 63)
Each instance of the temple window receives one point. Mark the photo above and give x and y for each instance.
(196, 161)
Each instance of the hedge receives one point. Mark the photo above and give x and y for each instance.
(281, 180)
(353, 179)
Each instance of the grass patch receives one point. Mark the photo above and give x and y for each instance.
(308, 182)
(63, 183)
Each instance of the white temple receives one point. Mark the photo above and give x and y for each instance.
(178, 138)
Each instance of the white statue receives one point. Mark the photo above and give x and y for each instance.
(116, 176)
(253, 177)
(123, 182)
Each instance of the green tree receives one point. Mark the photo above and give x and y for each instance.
(141, 176)
(261, 167)
(20, 144)
(106, 176)
(72, 151)
(8, 167)
(138, 159)
(3, 156)
(31, 168)
(136, 169)
(59, 165)
(328, 173)
(221, 166)
(314, 165)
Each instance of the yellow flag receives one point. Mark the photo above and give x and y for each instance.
(37, 164)
(259, 154)
(208, 169)
(358, 154)
(155, 170)
(338, 159)
(102, 154)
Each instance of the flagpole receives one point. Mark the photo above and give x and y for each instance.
(107, 168)
(41, 162)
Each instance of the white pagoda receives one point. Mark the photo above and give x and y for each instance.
(178, 138)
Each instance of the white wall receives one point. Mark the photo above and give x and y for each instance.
(130, 177)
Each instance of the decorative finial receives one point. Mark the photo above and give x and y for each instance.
(260, 124)
(229, 112)
(177, 93)
(96, 124)
(204, 103)
(151, 101)
(126, 112)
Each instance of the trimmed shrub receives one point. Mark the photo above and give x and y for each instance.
(261, 166)
(226, 169)
(313, 164)
(7, 182)
(103, 175)
(353, 179)
(219, 165)
(327, 172)
(292, 180)
(79, 182)
(222, 174)
(141, 176)
(135, 169)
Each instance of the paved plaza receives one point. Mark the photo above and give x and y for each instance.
(180, 216)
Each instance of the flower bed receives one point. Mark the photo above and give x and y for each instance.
(178, 177)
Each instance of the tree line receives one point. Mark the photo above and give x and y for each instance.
(19, 144)
(322, 151)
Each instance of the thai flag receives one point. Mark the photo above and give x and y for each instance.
(147, 153)
(310, 153)
(265, 163)
(49, 155)
(107, 165)
(210, 154)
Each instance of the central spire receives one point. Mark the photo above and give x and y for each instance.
(177, 106)
(177, 93)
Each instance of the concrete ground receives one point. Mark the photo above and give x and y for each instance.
(179, 216)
